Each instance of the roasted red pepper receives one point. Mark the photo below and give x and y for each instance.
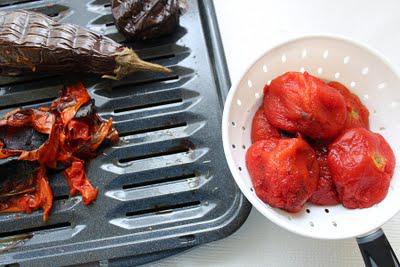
(38, 196)
(362, 165)
(284, 172)
(78, 182)
(71, 136)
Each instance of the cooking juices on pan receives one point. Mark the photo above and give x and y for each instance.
(61, 136)
(32, 42)
(332, 157)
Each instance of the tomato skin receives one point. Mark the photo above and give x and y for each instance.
(261, 129)
(326, 193)
(297, 102)
(284, 172)
(362, 165)
(357, 113)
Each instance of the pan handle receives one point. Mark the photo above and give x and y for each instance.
(376, 250)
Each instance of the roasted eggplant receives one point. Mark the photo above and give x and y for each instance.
(147, 19)
(61, 136)
(32, 42)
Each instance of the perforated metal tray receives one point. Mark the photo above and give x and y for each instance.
(166, 186)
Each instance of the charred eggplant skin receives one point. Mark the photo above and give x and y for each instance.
(147, 19)
(32, 42)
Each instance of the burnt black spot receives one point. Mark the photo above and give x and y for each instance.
(15, 175)
(21, 138)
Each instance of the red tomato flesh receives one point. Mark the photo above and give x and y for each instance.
(362, 165)
(284, 172)
(357, 113)
(297, 102)
(325, 194)
(261, 129)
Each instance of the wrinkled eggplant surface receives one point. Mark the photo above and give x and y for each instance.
(147, 19)
(33, 42)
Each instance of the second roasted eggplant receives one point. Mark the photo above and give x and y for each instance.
(147, 19)
(32, 42)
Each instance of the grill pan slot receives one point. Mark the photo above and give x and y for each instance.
(170, 151)
(60, 197)
(163, 210)
(104, 20)
(99, 2)
(169, 79)
(54, 11)
(16, 2)
(159, 181)
(36, 229)
(23, 80)
(153, 129)
(150, 105)
(29, 103)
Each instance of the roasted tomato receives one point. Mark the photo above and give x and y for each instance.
(362, 164)
(357, 113)
(297, 102)
(284, 172)
(325, 194)
(261, 129)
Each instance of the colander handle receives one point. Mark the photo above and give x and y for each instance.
(376, 250)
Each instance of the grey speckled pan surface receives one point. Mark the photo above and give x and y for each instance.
(166, 186)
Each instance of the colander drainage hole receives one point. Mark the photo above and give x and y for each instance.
(243, 128)
(381, 85)
(240, 168)
(233, 124)
(244, 147)
(304, 53)
(311, 224)
(233, 146)
(325, 54)
(251, 189)
(334, 224)
(308, 211)
(326, 210)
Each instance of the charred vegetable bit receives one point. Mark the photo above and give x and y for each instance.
(147, 19)
(37, 195)
(32, 42)
(66, 133)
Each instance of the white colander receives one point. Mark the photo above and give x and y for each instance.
(363, 71)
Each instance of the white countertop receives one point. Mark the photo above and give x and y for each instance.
(248, 28)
